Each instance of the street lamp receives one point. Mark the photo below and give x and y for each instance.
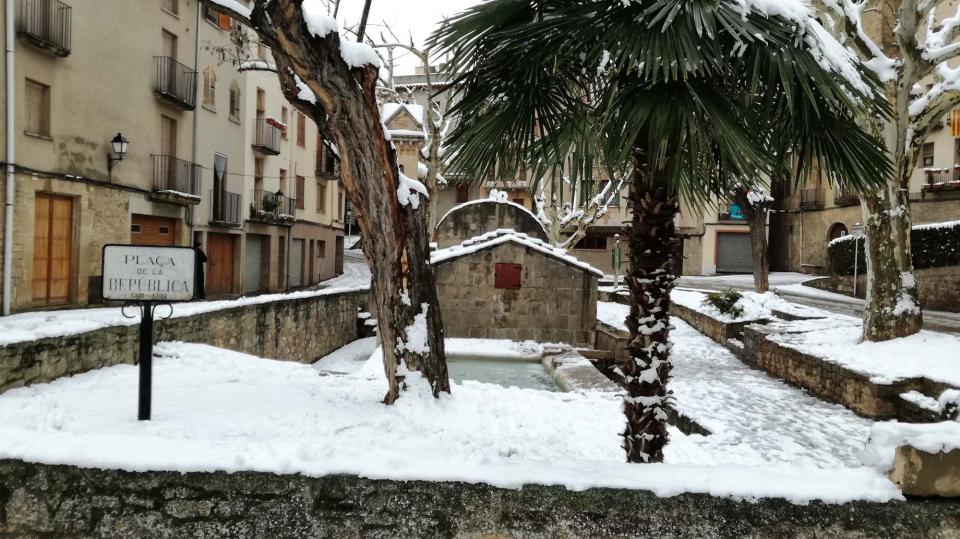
(119, 144)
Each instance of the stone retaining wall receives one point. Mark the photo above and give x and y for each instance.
(301, 329)
(45, 500)
(939, 288)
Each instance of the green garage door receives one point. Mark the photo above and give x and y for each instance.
(253, 263)
(733, 253)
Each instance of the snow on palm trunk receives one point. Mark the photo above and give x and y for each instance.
(645, 373)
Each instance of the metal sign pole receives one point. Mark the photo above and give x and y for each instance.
(856, 258)
(146, 362)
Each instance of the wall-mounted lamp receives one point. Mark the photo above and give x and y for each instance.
(119, 144)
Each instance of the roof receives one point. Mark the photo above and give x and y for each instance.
(391, 109)
(502, 236)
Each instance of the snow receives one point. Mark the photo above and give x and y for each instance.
(346, 359)
(886, 437)
(234, 6)
(356, 272)
(755, 306)
(926, 354)
(220, 410)
(921, 400)
(422, 170)
(775, 278)
(358, 55)
(305, 94)
(391, 109)
(409, 191)
(503, 235)
(416, 333)
(758, 195)
(318, 22)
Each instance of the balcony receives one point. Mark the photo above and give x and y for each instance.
(844, 197)
(811, 199)
(175, 180)
(266, 138)
(328, 165)
(224, 208)
(45, 24)
(942, 183)
(274, 208)
(506, 184)
(175, 82)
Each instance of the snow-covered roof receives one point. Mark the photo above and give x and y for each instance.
(391, 109)
(505, 235)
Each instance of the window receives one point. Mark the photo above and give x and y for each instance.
(235, 101)
(928, 154)
(340, 205)
(258, 173)
(164, 230)
(321, 248)
(38, 109)
(135, 227)
(284, 119)
(593, 242)
(301, 130)
(172, 6)
(301, 191)
(508, 276)
(463, 193)
(322, 197)
(518, 201)
(210, 15)
(209, 87)
(283, 180)
(261, 100)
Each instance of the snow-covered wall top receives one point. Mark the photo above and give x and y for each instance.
(501, 236)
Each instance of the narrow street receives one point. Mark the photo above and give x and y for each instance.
(789, 285)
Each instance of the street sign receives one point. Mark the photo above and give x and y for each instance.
(146, 276)
(147, 273)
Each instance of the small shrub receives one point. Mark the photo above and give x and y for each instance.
(726, 302)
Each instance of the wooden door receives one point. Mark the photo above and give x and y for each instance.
(52, 249)
(152, 230)
(220, 263)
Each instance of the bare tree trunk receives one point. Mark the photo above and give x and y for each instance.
(893, 308)
(653, 239)
(344, 105)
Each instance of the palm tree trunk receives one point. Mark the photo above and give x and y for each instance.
(653, 239)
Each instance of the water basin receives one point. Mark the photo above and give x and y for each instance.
(503, 372)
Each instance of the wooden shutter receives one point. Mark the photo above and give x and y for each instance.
(301, 129)
(321, 197)
(301, 191)
(955, 122)
(224, 22)
(507, 276)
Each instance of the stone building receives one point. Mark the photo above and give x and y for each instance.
(199, 155)
(508, 285)
(477, 217)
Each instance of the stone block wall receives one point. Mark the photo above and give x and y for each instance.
(939, 287)
(302, 329)
(556, 303)
(38, 500)
(484, 216)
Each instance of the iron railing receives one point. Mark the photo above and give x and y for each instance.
(328, 165)
(272, 206)
(844, 197)
(811, 199)
(175, 82)
(172, 174)
(266, 137)
(224, 208)
(942, 176)
(46, 24)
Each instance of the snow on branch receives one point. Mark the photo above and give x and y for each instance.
(854, 35)
(409, 190)
(941, 42)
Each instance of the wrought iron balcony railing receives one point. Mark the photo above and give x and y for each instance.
(811, 199)
(844, 197)
(266, 137)
(224, 208)
(175, 82)
(274, 207)
(176, 176)
(46, 24)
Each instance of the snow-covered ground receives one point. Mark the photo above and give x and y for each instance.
(753, 418)
(220, 410)
(356, 272)
(775, 278)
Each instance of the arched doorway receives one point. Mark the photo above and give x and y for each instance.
(838, 230)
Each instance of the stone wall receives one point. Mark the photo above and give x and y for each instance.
(483, 216)
(56, 501)
(939, 287)
(302, 329)
(556, 303)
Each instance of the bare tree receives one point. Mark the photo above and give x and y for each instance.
(755, 204)
(913, 43)
(334, 82)
(566, 223)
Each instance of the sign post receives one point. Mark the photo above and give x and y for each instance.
(857, 232)
(145, 277)
(615, 261)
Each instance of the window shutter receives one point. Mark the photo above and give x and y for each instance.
(301, 188)
(224, 21)
(955, 122)
(507, 276)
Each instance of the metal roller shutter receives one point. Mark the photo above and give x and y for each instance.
(733, 253)
(253, 264)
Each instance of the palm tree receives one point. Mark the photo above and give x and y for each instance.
(687, 96)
